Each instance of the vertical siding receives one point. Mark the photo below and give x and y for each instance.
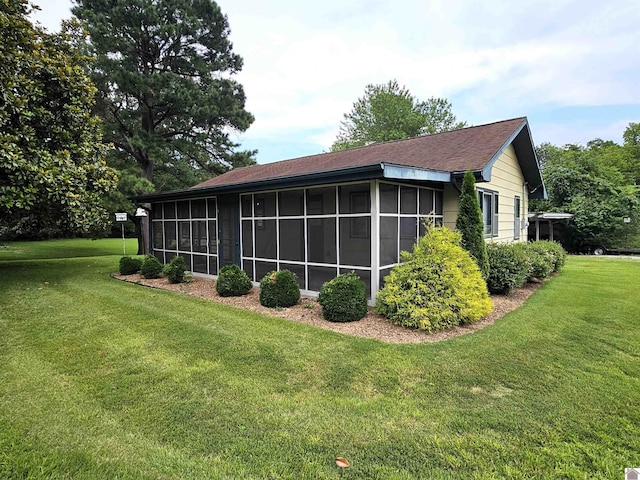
(508, 181)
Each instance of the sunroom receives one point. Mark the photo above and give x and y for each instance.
(354, 210)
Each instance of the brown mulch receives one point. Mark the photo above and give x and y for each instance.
(309, 311)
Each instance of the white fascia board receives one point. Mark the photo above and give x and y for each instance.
(398, 172)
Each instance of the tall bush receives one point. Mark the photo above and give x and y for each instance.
(470, 225)
(343, 299)
(279, 289)
(438, 286)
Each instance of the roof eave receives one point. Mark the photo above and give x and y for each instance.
(526, 153)
(366, 172)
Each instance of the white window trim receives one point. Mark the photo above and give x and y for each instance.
(495, 217)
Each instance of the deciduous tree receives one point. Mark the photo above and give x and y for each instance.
(597, 184)
(390, 112)
(52, 168)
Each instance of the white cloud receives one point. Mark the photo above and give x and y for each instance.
(307, 62)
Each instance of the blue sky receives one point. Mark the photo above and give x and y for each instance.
(571, 67)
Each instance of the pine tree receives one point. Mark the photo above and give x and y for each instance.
(164, 73)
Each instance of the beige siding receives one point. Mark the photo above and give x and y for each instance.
(508, 181)
(451, 201)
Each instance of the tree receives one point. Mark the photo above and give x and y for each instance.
(469, 224)
(52, 168)
(598, 185)
(163, 72)
(390, 112)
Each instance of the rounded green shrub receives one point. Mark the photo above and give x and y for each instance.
(279, 289)
(233, 282)
(151, 267)
(129, 265)
(551, 248)
(438, 286)
(343, 299)
(508, 267)
(174, 270)
(541, 262)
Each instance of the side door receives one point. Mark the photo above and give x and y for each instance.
(228, 230)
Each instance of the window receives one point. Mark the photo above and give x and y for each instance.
(489, 207)
(516, 218)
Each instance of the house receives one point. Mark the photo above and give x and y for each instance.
(356, 209)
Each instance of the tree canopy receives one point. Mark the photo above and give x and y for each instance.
(163, 70)
(390, 112)
(598, 184)
(52, 168)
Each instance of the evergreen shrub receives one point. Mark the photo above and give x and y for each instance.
(129, 265)
(470, 224)
(438, 286)
(233, 282)
(174, 270)
(343, 299)
(508, 267)
(279, 289)
(151, 267)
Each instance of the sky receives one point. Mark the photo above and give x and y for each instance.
(571, 67)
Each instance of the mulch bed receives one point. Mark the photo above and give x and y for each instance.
(309, 311)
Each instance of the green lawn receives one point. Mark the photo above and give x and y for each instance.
(104, 379)
(78, 247)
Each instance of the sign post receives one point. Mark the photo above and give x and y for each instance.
(122, 217)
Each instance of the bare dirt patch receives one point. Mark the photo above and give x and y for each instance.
(309, 311)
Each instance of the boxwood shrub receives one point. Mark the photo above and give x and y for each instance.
(233, 282)
(129, 265)
(279, 289)
(509, 267)
(151, 267)
(343, 299)
(438, 286)
(174, 270)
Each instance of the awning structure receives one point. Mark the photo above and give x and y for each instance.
(550, 218)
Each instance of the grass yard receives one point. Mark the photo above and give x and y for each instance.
(105, 379)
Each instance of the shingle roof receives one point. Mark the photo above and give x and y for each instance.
(469, 148)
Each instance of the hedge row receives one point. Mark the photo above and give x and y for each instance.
(511, 265)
